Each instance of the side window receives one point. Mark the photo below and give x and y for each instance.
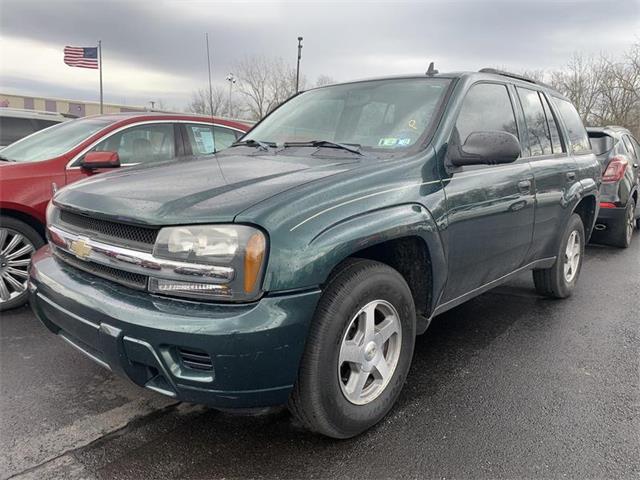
(141, 144)
(204, 142)
(13, 129)
(578, 138)
(630, 148)
(41, 124)
(537, 127)
(225, 137)
(554, 129)
(486, 107)
(636, 147)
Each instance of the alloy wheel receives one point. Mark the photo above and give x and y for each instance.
(630, 223)
(15, 257)
(369, 352)
(572, 256)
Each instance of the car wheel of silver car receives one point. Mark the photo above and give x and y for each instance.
(18, 241)
(559, 280)
(358, 351)
(622, 232)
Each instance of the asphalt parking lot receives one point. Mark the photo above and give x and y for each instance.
(509, 385)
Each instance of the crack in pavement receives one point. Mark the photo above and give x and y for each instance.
(23, 458)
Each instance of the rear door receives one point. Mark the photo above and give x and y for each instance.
(205, 139)
(554, 171)
(490, 208)
(634, 159)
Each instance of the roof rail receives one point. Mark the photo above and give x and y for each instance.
(495, 71)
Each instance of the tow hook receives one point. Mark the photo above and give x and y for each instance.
(600, 226)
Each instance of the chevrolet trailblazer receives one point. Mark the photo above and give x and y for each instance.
(299, 265)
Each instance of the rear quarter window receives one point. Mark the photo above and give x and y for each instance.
(601, 142)
(578, 138)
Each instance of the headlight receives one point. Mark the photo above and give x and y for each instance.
(239, 247)
(51, 212)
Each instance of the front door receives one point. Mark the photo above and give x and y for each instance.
(490, 208)
(143, 143)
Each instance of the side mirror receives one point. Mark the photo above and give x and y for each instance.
(95, 160)
(485, 148)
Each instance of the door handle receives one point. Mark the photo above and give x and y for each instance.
(524, 186)
(571, 176)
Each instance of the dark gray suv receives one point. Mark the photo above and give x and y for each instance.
(619, 155)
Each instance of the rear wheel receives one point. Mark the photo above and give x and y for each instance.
(622, 231)
(559, 280)
(18, 241)
(358, 351)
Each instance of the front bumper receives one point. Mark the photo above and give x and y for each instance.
(254, 350)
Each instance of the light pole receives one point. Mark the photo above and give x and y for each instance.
(231, 79)
(298, 69)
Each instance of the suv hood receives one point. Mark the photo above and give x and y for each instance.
(205, 189)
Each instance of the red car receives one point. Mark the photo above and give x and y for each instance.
(33, 168)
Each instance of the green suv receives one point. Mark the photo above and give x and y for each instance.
(300, 265)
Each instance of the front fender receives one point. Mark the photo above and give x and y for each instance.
(311, 265)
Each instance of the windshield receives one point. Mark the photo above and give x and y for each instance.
(380, 114)
(53, 141)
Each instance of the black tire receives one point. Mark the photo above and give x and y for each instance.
(551, 282)
(10, 225)
(621, 231)
(317, 399)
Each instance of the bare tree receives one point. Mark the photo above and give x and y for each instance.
(581, 82)
(604, 91)
(265, 83)
(537, 75)
(201, 104)
(325, 80)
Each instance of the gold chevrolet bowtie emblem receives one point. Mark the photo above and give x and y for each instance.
(80, 248)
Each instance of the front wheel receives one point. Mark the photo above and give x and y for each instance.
(559, 280)
(358, 351)
(18, 241)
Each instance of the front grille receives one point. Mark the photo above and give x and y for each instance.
(113, 233)
(195, 360)
(131, 280)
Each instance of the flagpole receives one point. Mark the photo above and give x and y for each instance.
(100, 65)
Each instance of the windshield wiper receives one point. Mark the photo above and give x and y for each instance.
(5, 159)
(349, 147)
(255, 143)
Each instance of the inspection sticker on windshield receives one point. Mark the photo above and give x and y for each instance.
(394, 142)
(387, 142)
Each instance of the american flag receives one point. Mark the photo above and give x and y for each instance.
(83, 57)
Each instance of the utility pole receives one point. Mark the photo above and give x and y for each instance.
(231, 79)
(213, 129)
(298, 68)
(209, 68)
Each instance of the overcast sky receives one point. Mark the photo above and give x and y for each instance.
(155, 49)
